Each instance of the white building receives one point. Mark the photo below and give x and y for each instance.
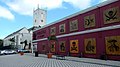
(39, 17)
(18, 38)
(39, 20)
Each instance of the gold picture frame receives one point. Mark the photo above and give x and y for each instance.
(62, 46)
(74, 25)
(52, 46)
(74, 48)
(113, 45)
(90, 45)
(62, 28)
(89, 21)
(111, 15)
(53, 30)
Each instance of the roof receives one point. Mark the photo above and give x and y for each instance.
(80, 12)
(33, 28)
(15, 32)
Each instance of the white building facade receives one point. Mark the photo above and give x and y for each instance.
(39, 17)
(20, 39)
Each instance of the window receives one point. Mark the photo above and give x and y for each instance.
(41, 20)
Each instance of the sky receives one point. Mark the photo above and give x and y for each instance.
(16, 14)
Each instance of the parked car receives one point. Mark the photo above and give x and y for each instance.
(3, 52)
(23, 50)
(7, 52)
(0, 52)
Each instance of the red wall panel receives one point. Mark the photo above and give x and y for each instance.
(40, 47)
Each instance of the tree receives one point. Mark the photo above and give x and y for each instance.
(1, 44)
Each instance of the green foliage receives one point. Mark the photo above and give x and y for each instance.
(1, 43)
(52, 38)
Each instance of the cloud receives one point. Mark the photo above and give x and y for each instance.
(82, 4)
(5, 13)
(25, 7)
(102, 0)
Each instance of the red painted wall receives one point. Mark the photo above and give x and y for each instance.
(99, 36)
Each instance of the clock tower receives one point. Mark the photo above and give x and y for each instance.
(39, 17)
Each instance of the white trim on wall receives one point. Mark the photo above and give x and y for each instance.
(84, 32)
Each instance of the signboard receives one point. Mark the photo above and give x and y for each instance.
(74, 46)
(113, 45)
(111, 15)
(89, 21)
(62, 28)
(90, 45)
(53, 30)
(74, 25)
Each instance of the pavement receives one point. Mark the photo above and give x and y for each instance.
(29, 60)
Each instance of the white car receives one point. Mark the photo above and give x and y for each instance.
(3, 52)
(23, 50)
(6, 52)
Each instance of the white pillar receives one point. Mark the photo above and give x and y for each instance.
(31, 43)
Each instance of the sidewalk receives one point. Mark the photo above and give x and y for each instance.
(29, 60)
(89, 60)
(95, 61)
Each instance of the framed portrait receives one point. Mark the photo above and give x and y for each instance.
(89, 21)
(52, 46)
(74, 46)
(53, 30)
(62, 28)
(62, 46)
(113, 45)
(90, 45)
(74, 25)
(111, 15)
